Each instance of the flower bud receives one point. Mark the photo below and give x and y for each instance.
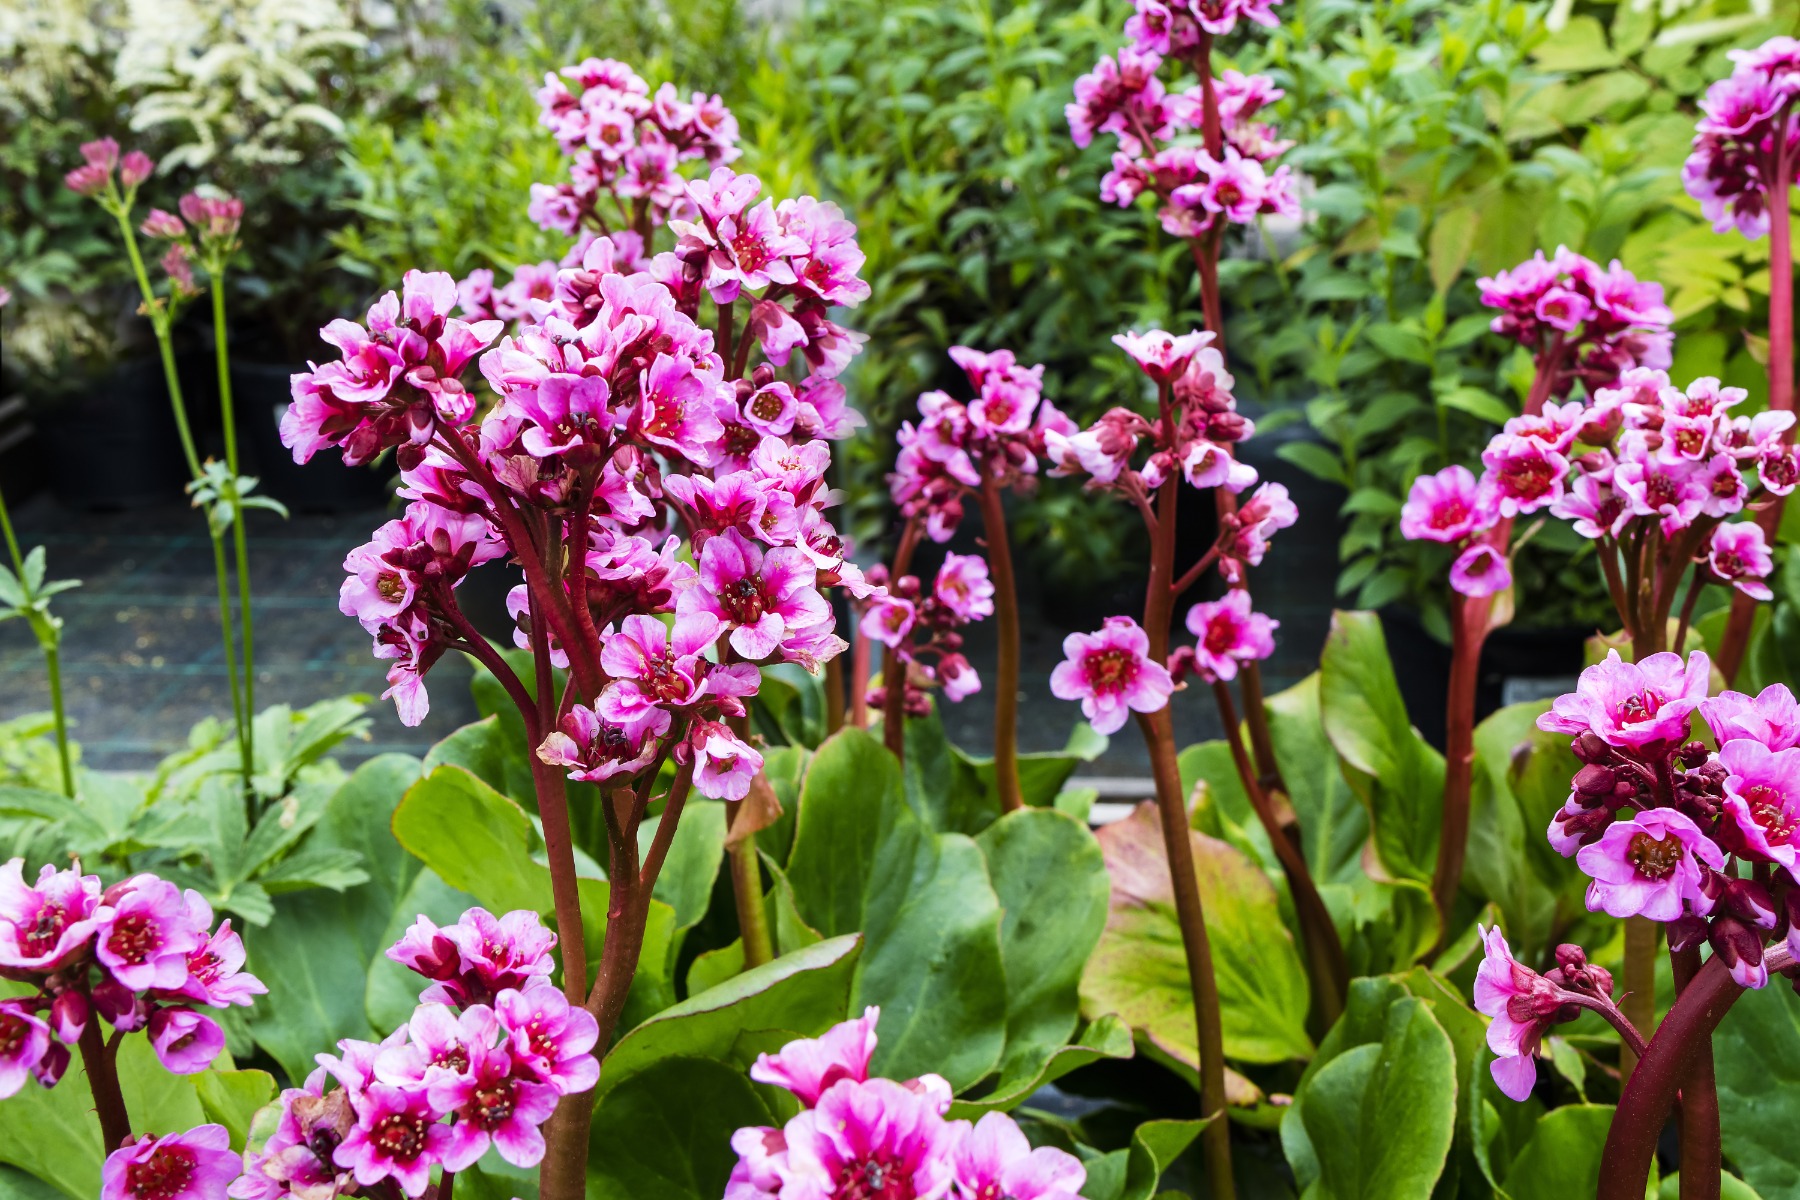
(69, 1015)
(1571, 957)
(1686, 931)
(1589, 748)
(136, 168)
(1750, 901)
(1741, 950)
(1595, 780)
(161, 224)
(1693, 755)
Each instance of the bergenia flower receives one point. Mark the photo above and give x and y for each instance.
(1772, 717)
(551, 1040)
(1110, 672)
(493, 1103)
(1480, 571)
(994, 1160)
(1635, 707)
(1649, 865)
(1762, 802)
(396, 1136)
(145, 933)
(196, 1165)
(963, 587)
(44, 926)
(1229, 633)
(24, 1040)
(1445, 507)
(724, 766)
(1519, 1001)
(186, 1042)
(765, 599)
(809, 1066)
(877, 1130)
(1739, 556)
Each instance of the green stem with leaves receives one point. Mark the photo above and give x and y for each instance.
(49, 636)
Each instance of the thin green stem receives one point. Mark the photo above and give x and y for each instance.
(239, 538)
(48, 637)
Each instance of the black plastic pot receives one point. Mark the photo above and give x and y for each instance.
(260, 395)
(114, 446)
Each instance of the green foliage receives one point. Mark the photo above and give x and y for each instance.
(651, 1138)
(1757, 1058)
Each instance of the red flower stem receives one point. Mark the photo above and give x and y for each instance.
(1159, 736)
(1781, 379)
(1651, 1091)
(1192, 575)
(834, 695)
(1702, 1159)
(1328, 974)
(746, 868)
(551, 786)
(97, 1059)
(859, 678)
(893, 670)
(1468, 632)
(1006, 679)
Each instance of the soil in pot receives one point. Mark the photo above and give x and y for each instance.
(113, 446)
(260, 395)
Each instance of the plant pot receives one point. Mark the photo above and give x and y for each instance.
(114, 445)
(260, 395)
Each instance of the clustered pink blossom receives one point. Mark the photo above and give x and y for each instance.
(1643, 458)
(956, 446)
(1523, 1005)
(104, 174)
(1660, 823)
(196, 1165)
(1600, 322)
(860, 1137)
(921, 628)
(1745, 142)
(142, 954)
(489, 1051)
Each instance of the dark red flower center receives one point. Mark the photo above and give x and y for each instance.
(134, 938)
(874, 1179)
(14, 1029)
(400, 1136)
(1654, 859)
(1110, 670)
(1221, 634)
(1449, 514)
(1768, 808)
(742, 600)
(1527, 477)
(41, 936)
(492, 1106)
(163, 1176)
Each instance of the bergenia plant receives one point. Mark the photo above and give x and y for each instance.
(661, 493)
(987, 446)
(919, 629)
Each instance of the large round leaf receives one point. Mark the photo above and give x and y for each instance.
(666, 1132)
(1757, 1056)
(1562, 1158)
(1139, 969)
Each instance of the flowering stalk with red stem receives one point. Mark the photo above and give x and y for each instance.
(1006, 676)
(893, 670)
(99, 1059)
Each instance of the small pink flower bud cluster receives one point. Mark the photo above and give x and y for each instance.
(103, 173)
(921, 627)
(1524, 1005)
(1660, 823)
(482, 1063)
(1745, 143)
(1606, 319)
(955, 447)
(626, 145)
(864, 1137)
(141, 954)
(1199, 192)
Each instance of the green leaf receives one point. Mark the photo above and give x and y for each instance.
(1333, 825)
(1139, 970)
(864, 861)
(1562, 1159)
(1134, 1172)
(1398, 777)
(1315, 460)
(1108, 1037)
(1756, 1053)
(686, 881)
(1477, 403)
(666, 1131)
(1051, 880)
(231, 1098)
(1452, 241)
(805, 992)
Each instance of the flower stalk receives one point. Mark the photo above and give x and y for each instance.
(33, 604)
(1006, 677)
(99, 1060)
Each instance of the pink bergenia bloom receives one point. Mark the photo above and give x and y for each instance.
(654, 667)
(1162, 356)
(1445, 507)
(1772, 717)
(1110, 672)
(1649, 865)
(439, 1044)
(766, 600)
(1591, 505)
(146, 934)
(809, 1066)
(1633, 706)
(196, 1165)
(396, 1136)
(888, 620)
(1651, 487)
(1480, 571)
(551, 1040)
(185, 1041)
(994, 1160)
(596, 751)
(724, 766)
(1518, 1000)
(761, 1168)
(958, 677)
(1523, 474)
(1740, 557)
(216, 974)
(479, 956)
(873, 1130)
(963, 587)
(43, 927)
(24, 1040)
(1230, 633)
(493, 1104)
(1762, 801)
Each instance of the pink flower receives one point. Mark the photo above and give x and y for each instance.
(1762, 800)
(1229, 634)
(136, 167)
(1446, 507)
(723, 765)
(1649, 865)
(439, 1044)
(185, 1042)
(216, 974)
(1111, 674)
(888, 620)
(994, 1160)
(1637, 707)
(808, 1067)
(196, 1165)
(1520, 1001)
(957, 676)
(1162, 356)
(478, 957)
(1593, 507)
(1653, 488)
(963, 587)
(44, 927)
(1480, 571)
(861, 1133)
(1740, 557)
(396, 1136)
(650, 669)
(596, 751)
(1772, 718)
(766, 600)
(146, 933)
(24, 1040)
(160, 224)
(1523, 474)
(493, 1103)
(551, 1040)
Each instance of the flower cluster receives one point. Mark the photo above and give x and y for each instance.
(1525, 1004)
(1660, 822)
(921, 627)
(141, 954)
(1644, 459)
(626, 147)
(196, 1165)
(1199, 191)
(1745, 142)
(482, 1063)
(1596, 323)
(956, 446)
(104, 173)
(870, 1137)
